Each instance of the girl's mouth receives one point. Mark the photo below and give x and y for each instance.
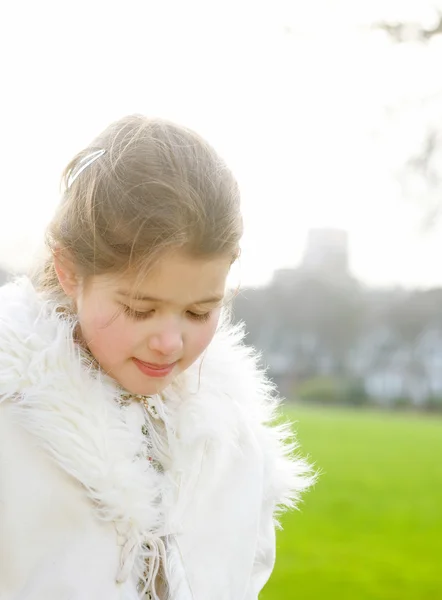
(154, 370)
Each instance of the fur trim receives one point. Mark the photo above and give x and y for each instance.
(246, 396)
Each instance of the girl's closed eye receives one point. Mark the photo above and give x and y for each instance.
(202, 317)
(137, 315)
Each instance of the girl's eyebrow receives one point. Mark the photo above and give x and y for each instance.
(210, 300)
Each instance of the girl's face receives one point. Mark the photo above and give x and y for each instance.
(144, 339)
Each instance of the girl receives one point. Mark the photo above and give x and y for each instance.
(136, 455)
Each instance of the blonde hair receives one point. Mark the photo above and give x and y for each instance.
(142, 187)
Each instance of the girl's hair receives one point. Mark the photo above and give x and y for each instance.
(141, 188)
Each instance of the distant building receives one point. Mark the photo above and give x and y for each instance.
(285, 278)
(326, 256)
(327, 252)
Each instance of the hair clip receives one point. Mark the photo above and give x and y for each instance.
(83, 164)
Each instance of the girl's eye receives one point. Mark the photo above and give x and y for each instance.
(135, 314)
(141, 315)
(201, 317)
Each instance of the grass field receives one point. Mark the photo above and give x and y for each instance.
(371, 529)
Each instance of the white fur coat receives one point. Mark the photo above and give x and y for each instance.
(80, 511)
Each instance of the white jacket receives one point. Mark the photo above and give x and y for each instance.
(77, 507)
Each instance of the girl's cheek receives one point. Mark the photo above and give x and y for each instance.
(109, 327)
(205, 334)
(96, 317)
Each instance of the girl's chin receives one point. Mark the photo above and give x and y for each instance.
(150, 388)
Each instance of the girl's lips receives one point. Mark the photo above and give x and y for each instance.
(152, 370)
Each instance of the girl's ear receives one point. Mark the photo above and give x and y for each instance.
(67, 273)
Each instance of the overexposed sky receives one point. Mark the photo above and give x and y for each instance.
(296, 95)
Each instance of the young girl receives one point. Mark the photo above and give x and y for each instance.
(136, 455)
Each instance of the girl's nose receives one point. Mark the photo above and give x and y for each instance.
(167, 343)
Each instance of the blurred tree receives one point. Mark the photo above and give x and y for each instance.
(312, 326)
(317, 329)
(421, 174)
(411, 31)
(3, 276)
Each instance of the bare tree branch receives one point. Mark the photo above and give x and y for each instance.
(407, 32)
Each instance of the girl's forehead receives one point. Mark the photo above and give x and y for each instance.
(177, 279)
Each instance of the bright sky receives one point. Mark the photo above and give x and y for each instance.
(292, 93)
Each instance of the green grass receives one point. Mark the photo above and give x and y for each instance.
(371, 528)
